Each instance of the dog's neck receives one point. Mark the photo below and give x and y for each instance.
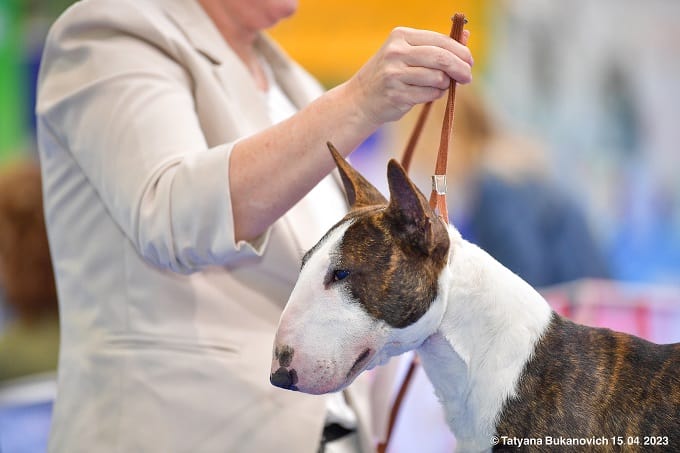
(490, 325)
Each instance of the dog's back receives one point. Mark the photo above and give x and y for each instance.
(586, 385)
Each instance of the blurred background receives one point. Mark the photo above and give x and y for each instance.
(564, 162)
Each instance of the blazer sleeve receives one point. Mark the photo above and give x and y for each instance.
(111, 94)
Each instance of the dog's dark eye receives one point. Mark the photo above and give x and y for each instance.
(340, 274)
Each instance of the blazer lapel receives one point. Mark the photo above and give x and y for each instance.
(198, 28)
(231, 72)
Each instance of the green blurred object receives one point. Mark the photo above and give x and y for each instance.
(27, 349)
(12, 85)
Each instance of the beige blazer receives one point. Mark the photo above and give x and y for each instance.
(167, 323)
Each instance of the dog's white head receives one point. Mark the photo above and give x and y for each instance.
(370, 289)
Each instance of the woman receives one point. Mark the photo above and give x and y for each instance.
(185, 173)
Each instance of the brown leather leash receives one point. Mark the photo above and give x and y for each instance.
(437, 197)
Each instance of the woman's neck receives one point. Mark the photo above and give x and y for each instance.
(240, 38)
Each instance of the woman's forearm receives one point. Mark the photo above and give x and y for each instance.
(272, 170)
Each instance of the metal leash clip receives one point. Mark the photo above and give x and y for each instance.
(439, 184)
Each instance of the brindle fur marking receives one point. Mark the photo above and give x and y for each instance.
(587, 382)
(368, 250)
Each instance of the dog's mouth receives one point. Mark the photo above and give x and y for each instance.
(359, 363)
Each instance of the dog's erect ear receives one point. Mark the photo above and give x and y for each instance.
(415, 222)
(359, 191)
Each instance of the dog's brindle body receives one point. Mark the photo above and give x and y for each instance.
(392, 277)
(583, 382)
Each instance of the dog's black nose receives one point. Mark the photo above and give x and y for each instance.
(284, 378)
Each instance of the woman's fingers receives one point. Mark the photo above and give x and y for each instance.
(416, 38)
(427, 49)
(426, 77)
(465, 38)
(436, 58)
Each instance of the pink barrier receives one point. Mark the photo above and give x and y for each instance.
(650, 312)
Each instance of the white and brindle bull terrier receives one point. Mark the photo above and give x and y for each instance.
(392, 277)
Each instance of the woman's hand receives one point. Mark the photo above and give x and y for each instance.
(412, 67)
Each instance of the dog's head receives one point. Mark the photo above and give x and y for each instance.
(368, 290)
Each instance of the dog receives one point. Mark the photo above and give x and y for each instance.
(392, 277)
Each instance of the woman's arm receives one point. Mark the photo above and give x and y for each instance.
(270, 171)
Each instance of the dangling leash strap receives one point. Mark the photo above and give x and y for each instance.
(415, 135)
(437, 197)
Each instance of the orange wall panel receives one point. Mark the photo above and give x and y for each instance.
(333, 38)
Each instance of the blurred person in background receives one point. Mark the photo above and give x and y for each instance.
(185, 173)
(502, 197)
(29, 341)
